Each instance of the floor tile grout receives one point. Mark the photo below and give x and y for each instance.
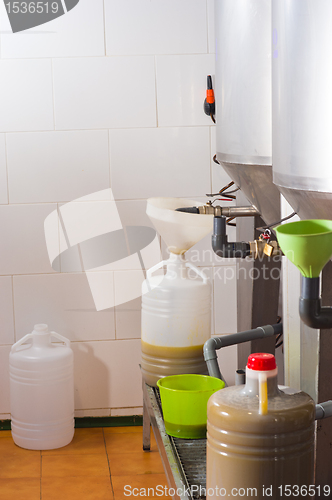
(142, 470)
(108, 462)
(41, 465)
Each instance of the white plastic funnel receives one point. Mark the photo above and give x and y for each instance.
(179, 230)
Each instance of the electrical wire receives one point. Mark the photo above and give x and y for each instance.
(276, 223)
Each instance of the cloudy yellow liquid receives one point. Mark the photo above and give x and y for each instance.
(159, 361)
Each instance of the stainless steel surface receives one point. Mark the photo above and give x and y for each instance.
(146, 427)
(172, 466)
(301, 94)
(243, 81)
(309, 204)
(257, 295)
(255, 182)
(184, 460)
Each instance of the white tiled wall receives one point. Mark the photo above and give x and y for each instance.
(3, 171)
(104, 92)
(109, 95)
(26, 95)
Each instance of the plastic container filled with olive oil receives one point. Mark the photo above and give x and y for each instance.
(259, 436)
(176, 320)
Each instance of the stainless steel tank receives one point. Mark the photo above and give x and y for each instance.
(302, 104)
(243, 100)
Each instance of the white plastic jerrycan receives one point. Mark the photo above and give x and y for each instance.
(176, 320)
(42, 391)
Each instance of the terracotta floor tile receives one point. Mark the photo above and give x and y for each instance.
(4, 434)
(126, 429)
(20, 489)
(8, 447)
(141, 486)
(85, 441)
(144, 462)
(76, 488)
(74, 465)
(127, 443)
(20, 465)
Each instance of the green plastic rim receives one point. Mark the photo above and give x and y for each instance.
(188, 383)
(307, 244)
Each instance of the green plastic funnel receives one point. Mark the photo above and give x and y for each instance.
(307, 243)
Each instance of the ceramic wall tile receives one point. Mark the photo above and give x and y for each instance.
(56, 166)
(26, 99)
(99, 412)
(79, 32)
(181, 89)
(123, 412)
(4, 380)
(65, 303)
(144, 27)
(171, 162)
(22, 244)
(6, 311)
(227, 360)
(219, 176)
(3, 171)
(90, 241)
(104, 92)
(107, 374)
(225, 306)
(128, 319)
(211, 28)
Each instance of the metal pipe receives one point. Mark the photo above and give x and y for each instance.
(324, 410)
(215, 343)
(239, 211)
(220, 244)
(311, 311)
(240, 377)
(220, 211)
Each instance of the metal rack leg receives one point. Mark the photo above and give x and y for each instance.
(146, 427)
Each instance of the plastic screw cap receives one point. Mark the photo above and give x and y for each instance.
(261, 361)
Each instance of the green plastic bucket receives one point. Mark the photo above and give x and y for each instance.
(184, 403)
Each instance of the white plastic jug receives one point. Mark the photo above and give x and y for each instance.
(176, 320)
(42, 391)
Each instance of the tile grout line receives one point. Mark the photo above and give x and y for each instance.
(108, 462)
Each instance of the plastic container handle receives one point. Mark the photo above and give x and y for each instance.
(201, 274)
(20, 342)
(155, 268)
(60, 337)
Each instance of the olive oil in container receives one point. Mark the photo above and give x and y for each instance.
(258, 436)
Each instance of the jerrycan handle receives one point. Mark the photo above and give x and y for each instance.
(20, 342)
(155, 268)
(201, 274)
(60, 337)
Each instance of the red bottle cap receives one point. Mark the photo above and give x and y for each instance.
(262, 361)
